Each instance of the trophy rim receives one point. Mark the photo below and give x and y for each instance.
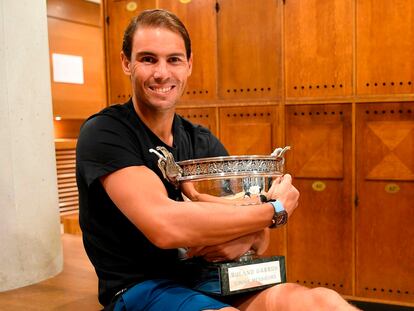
(229, 158)
(219, 176)
(230, 167)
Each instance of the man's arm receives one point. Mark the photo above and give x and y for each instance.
(141, 196)
(231, 250)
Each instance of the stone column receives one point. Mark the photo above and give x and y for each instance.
(30, 244)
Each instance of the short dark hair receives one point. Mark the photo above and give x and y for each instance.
(155, 18)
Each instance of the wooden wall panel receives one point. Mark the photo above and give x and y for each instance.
(249, 129)
(385, 213)
(385, 46)
(119, 14)
(249, 49)
(318, 48)
(199, 17)
(79, 11)
(320, 230)
(68, 129)
(277, 244)
(77, 101)
(202, 116)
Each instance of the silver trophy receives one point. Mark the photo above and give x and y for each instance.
(237, 180)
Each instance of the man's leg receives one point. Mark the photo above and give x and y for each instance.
(293, 297)
(161, 294)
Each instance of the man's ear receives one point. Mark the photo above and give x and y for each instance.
(190, 64)
(125, 62)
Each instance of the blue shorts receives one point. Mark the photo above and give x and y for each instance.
(156, 295)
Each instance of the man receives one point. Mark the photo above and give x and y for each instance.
(133, 220)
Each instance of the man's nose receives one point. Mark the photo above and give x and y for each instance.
(161, 70)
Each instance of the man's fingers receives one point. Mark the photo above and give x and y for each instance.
(277, 180)
(287, 178)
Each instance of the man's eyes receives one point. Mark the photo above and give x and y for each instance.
(153, 60)
(175, 60)
(148, 59)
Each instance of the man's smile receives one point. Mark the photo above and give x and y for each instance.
(162, 90)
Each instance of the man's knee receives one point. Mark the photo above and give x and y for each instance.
(328, 299)
(303, 298)
(325, 292)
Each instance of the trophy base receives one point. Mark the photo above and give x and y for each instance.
(229, 278)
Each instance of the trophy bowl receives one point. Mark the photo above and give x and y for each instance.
(236, 180)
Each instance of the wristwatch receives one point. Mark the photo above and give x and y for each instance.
(280, 216)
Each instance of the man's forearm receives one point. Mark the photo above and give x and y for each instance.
(262, 240)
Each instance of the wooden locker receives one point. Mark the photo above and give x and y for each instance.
(202, 116)
(249, 49)
(385, 47)
(253, 130)
(118, 15)
(249, 129)
(318, 48)
(385, 212)
(320, 230)
(199, 17)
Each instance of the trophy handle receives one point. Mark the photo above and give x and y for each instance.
(166, 163)
(279, 152)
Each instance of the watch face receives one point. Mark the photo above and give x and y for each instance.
(281, 218)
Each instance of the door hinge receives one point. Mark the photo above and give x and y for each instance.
(356, 201)
(107, 20)
(217, 7)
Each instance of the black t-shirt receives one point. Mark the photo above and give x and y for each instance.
(110, 140)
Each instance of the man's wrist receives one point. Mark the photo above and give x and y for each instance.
(280, 215)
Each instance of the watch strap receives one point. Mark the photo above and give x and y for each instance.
(277, 205)
(280, 215)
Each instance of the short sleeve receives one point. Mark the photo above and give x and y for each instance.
(105, 145)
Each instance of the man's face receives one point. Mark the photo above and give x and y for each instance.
(158, 67)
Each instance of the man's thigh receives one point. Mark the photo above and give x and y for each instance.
(290, 296)
(165, 295)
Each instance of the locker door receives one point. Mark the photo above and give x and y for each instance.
(318, 41)
(249, 49)
(385, 47)
(385, 213)
(202, 116)
(199, 17)
(249, 130)
(320, 231)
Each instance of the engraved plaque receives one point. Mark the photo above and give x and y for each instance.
(229, 278)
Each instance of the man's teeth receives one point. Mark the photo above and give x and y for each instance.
(162, 89)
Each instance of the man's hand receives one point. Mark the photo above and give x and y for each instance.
(283, 190)
(233, 249)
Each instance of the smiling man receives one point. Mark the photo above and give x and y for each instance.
(134, 221)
